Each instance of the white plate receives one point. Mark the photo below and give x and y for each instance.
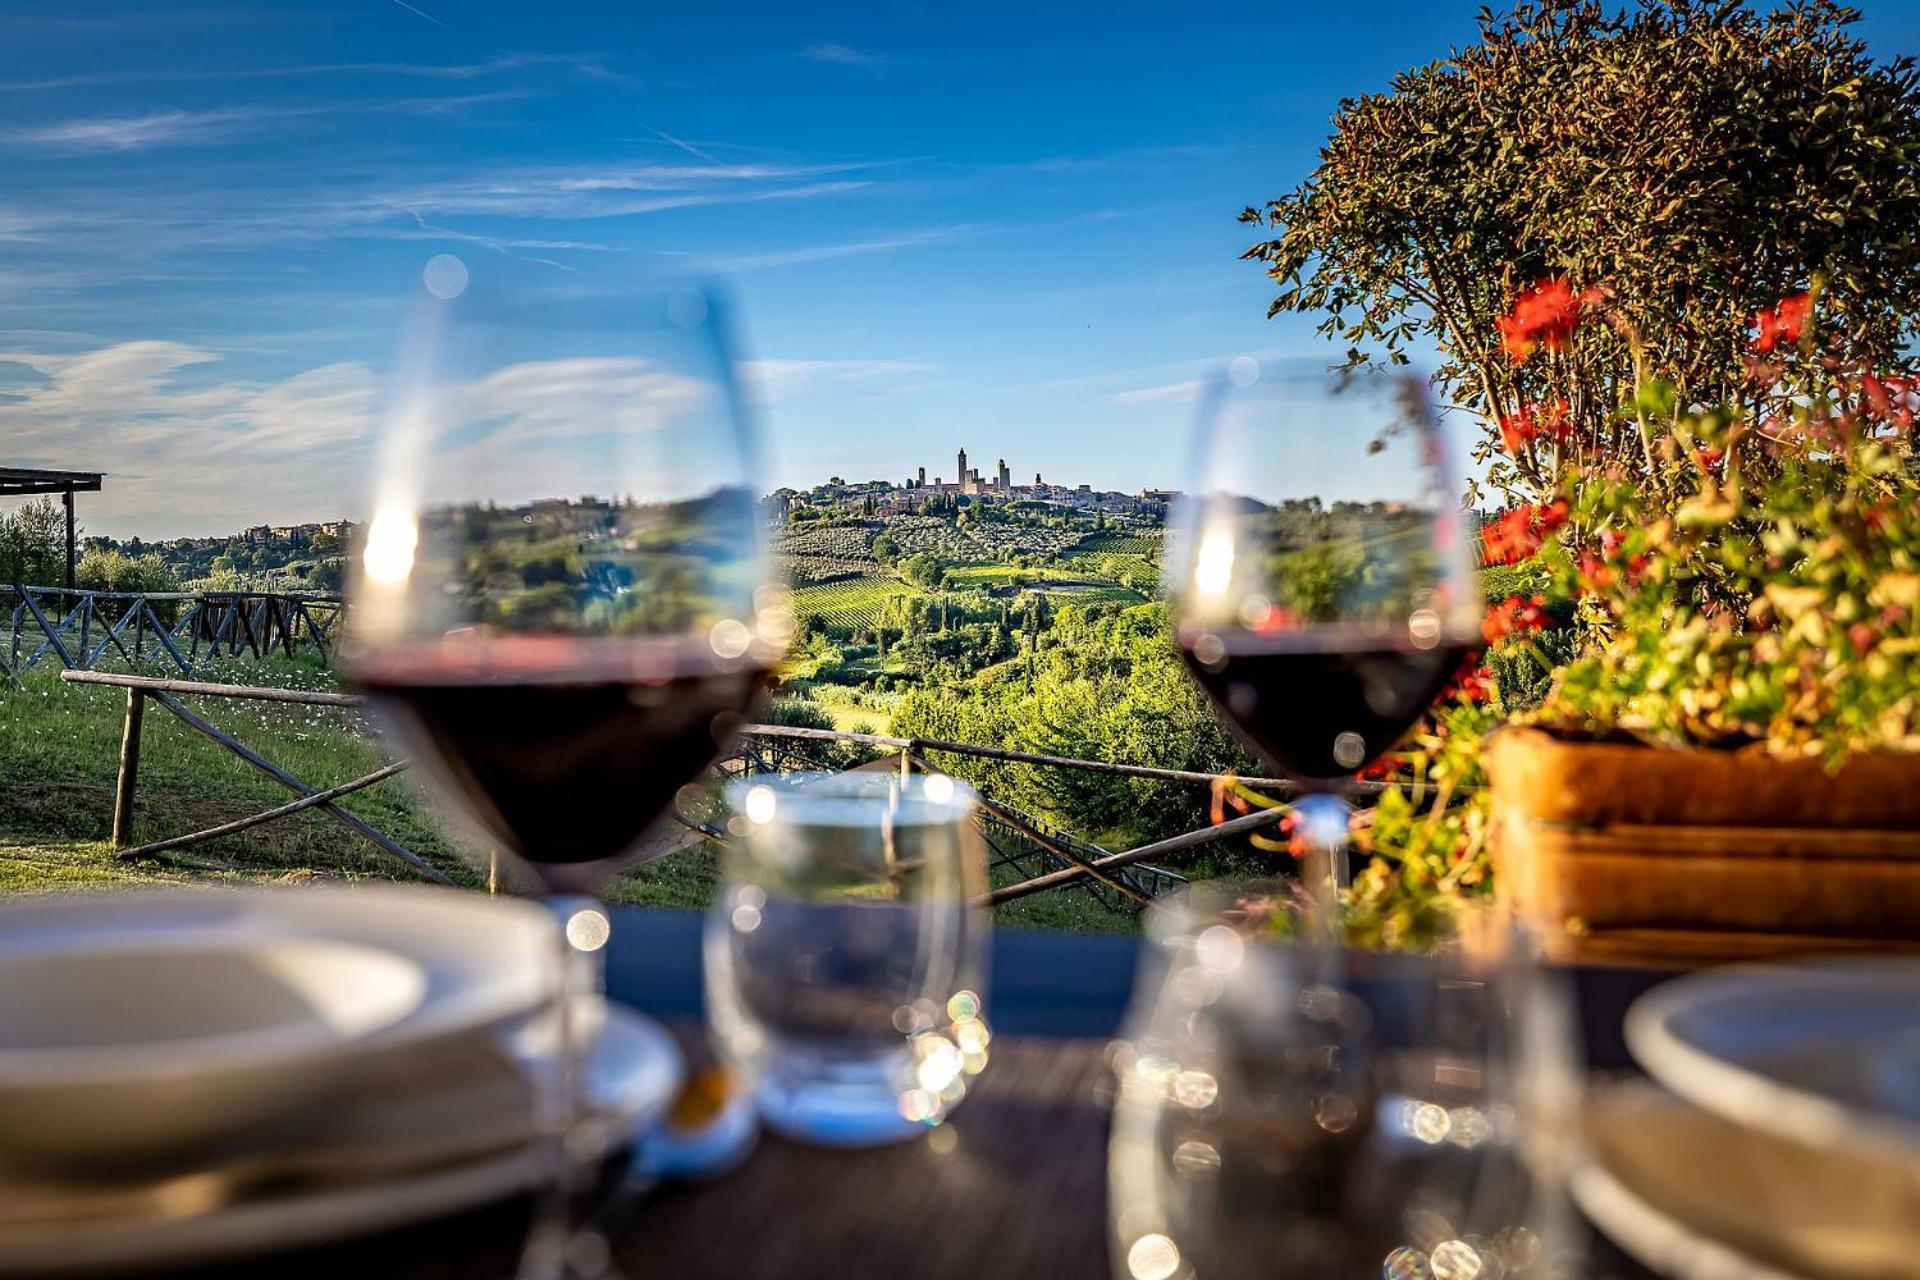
(633, 1075)
(1825, 1053)
(1697, 1197)
(476, 962)
(112, 1053)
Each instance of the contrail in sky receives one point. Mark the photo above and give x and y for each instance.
(422, 12)
(687, 147)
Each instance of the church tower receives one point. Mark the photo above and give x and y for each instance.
(963, 468)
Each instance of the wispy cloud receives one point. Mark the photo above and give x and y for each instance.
(424, 230)
(585, 65)
(147, 408)
(848, 249)
(1184, 391)
(155, 129)
(186, 128)
(422, 13)
(594, 194)
(842, 55)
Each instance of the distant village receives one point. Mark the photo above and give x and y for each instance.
(914, 492)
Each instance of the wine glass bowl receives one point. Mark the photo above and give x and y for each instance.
(561, 607)
(1320, 577)
(1273, 1119)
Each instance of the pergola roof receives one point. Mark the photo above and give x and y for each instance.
(18, 481)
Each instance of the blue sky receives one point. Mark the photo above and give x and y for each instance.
(1009, 227)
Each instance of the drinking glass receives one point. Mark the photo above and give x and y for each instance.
(1319, 569)
(560, 607)
(846, 954)
(1399, 1120)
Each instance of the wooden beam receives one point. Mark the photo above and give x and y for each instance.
(298, 787)
(315, 800)
(257, 693)
(66, 659)
(1159, 848)
(165, 640)
(66, 500)
(129, 776)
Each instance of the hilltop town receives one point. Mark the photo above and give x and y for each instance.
(915, 492)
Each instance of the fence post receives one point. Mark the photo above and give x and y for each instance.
(129, 778)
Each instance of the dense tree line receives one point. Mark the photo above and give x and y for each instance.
(1103, 684)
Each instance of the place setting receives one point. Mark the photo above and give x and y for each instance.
(1036, 757)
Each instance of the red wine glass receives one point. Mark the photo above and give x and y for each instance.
(1322, 585)
(561, 607)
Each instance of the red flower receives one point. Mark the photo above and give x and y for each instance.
(1515, 616)
(1474, 683)
(1544, 316)
(1515, 342)
(1784, 322)
(1532, 422)
(1891, 399)
(1517, 534)
(1297, 844)
(1517, 431)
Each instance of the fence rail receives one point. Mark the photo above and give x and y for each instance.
(78, 628)
(1047, 858)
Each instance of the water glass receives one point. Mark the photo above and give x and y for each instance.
(1301, 1113)
(846, 952)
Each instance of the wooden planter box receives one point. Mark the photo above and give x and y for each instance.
(1621, 852)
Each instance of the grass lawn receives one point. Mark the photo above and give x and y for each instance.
(59, 751)
(852, 719)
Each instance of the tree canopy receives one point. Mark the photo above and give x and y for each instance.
(1680, 167)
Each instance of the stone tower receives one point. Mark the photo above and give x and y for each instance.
(963, 467)
(1005, 478)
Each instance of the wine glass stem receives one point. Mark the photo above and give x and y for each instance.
(581, 925)
(1325, 819)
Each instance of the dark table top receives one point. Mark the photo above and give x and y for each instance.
(1019, 1190)
(1049, 985)
(1022, 1190)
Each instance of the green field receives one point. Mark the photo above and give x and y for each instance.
(59, 751)
(993, 575)
(851, 602)
(1117, 543)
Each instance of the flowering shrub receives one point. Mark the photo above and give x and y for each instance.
(1680, 163)
(1755, 584)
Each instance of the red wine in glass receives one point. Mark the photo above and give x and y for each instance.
(564, 751)
(1321, 712)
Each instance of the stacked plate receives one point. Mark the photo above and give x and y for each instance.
(1781, 1138)
(189, 1075)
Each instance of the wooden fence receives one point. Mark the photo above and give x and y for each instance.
(147, 628)
(1046, 858)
